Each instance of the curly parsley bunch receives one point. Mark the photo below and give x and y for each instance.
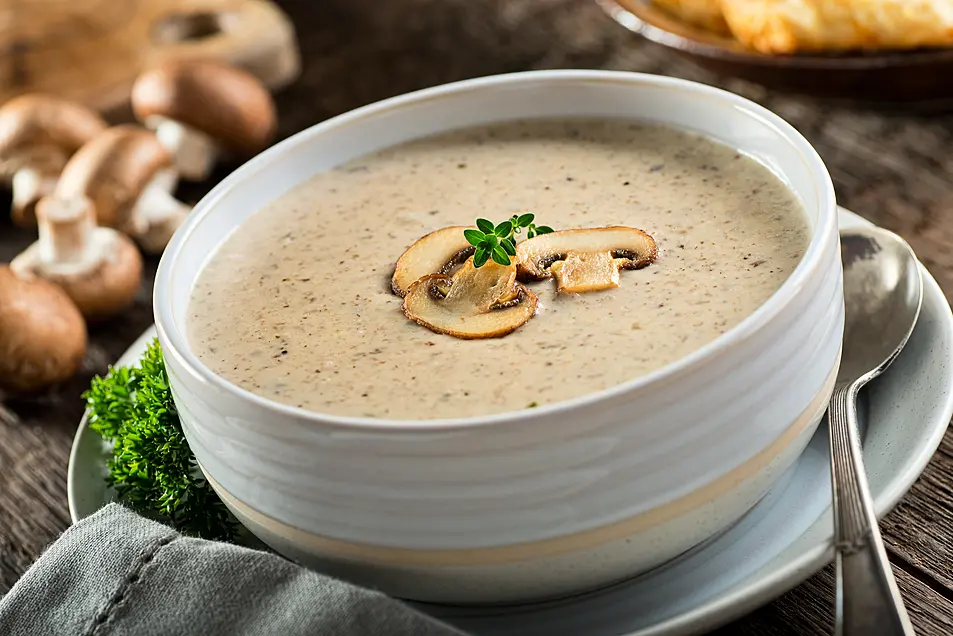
(152, 467)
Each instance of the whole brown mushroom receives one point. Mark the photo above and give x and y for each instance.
(201, 108)
(42, 334)
(38, 133)
(129, 177)
(98, 268)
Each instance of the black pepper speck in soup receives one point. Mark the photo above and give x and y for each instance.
(296, 304)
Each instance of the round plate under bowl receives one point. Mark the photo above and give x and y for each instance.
(781, 542)
(888, 78)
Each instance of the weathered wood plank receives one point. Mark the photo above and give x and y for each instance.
(919, 532)
(809, 610)
(895, 170)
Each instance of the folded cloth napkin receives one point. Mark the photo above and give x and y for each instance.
(116, 574)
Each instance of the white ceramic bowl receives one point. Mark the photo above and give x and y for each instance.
(537, 503)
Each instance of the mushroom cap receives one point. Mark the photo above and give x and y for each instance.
(227, 103)
(434, 253)
(34, 124)
(112, 170)
(585, 260)
(42, 334)
(476, 302)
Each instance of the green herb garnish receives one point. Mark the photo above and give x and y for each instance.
(152, 467)
(499, 241)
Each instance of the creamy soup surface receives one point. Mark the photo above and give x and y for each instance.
(296, 305)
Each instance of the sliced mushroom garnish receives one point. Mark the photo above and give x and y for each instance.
(435, 253)
(585, 260)
(476, 302)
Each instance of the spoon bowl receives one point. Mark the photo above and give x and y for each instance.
(882, 296)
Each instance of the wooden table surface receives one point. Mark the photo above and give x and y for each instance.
(896, 170)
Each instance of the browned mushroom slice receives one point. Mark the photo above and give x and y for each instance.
(435, 253)
(585, 260)
(476, 302)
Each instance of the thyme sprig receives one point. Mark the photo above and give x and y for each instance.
(499, 241)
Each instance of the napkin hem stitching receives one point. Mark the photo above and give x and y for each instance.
(128, 582)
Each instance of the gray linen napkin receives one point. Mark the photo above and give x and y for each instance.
(116, 574)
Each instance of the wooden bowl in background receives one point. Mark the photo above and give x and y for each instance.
(891, 78)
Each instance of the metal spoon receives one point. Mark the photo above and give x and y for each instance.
(883, 292)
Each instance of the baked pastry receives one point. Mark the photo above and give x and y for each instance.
(793, 26)
(701, 13)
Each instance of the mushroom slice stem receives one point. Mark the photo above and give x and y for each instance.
(434, 253)
(484, 302)
(157, 214)
(194, 153)
(98, 268)
(583, 272)
(585, 260)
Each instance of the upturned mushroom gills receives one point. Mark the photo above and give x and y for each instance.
(38, 133)
(128, 176)
(435, 253)
(42, 334)
(484, 302)
(98, 268)
(201, 109)
(585, 260)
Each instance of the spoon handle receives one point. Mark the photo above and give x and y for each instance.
(868, 601)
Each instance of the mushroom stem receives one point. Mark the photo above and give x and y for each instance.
(66, 244)
(194, 153)
(98, 268)
(66, 227)
(157, 215)
(29, 185)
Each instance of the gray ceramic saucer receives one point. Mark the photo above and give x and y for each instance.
(785, 539)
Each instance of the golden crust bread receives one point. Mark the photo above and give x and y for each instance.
(701, 13)
(792, 26)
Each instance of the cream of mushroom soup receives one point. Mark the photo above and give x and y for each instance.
(297, 305)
